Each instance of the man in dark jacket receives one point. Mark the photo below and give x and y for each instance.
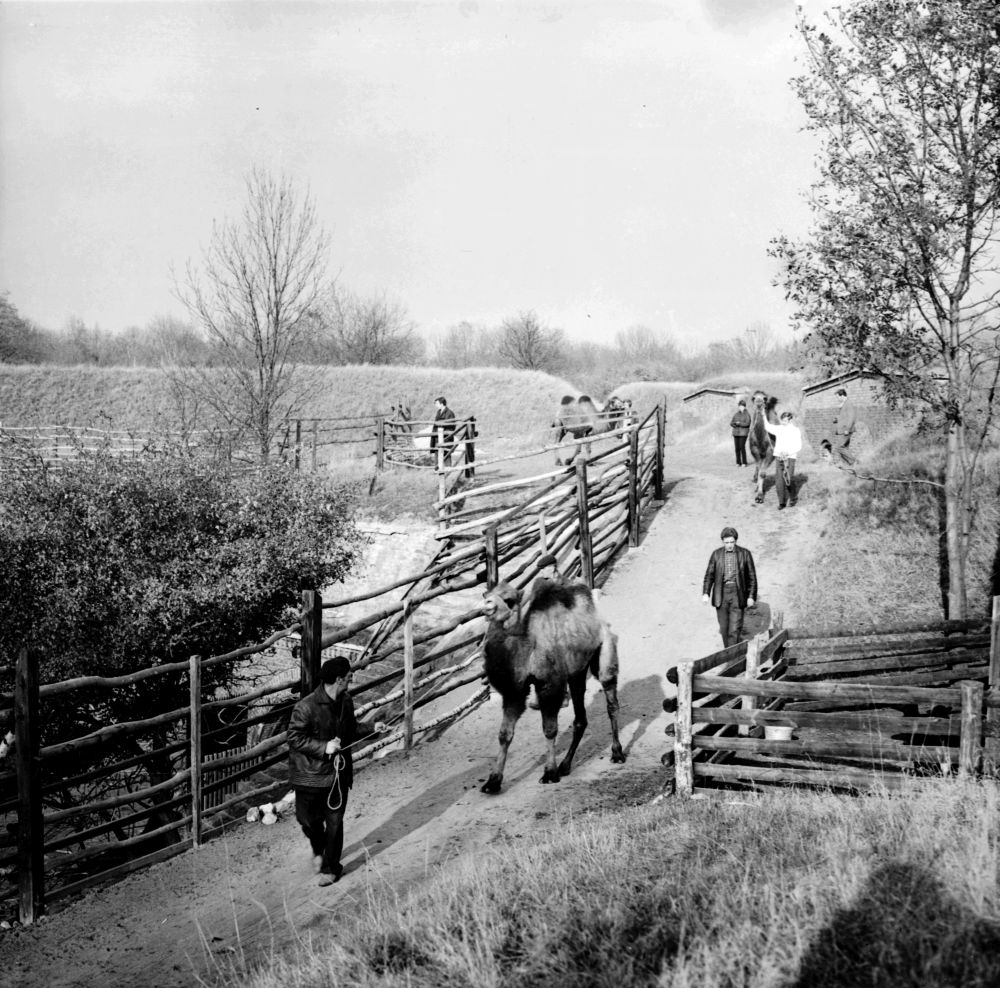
(731, 585)
(844, 424)
(321, 734)
(443, 436)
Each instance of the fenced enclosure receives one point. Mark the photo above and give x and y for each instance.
(88, 808)
(842, 710)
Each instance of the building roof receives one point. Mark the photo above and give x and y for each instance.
(725, 392)
(812, 389)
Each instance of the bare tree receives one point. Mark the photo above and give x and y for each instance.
(252, 297)
(466, 345)
(528, 345)
(371, 329)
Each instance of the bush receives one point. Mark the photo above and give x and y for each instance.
(114, 565)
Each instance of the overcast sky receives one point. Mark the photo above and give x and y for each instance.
(605, 164)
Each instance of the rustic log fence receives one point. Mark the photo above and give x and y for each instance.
(88, 809)
(859, 711)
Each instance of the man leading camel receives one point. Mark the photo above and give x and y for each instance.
(731, 585)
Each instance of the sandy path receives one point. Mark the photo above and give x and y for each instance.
(252, 892)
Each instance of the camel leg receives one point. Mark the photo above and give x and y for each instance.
(550, 702)
(577, 684)
(511, 714)
(607, 676)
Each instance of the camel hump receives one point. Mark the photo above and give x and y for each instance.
(548, 594)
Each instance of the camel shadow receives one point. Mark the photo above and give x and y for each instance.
(904, 931)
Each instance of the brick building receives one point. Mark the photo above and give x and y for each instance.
(711, 405)
(864, 390)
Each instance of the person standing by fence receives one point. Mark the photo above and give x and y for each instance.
(740, 424)
(443, 430)
(321, 733)
(730, 585)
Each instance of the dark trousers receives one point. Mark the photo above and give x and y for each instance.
(740, 442)
(730, 616)
(842, 451)
(324, 827)
(786, 488)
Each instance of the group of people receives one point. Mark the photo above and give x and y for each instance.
(786, 439)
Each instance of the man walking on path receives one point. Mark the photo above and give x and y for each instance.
(321, 734)
(787, 444)
(731, 585)
(843, 428)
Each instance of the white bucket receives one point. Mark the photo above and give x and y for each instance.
(778, 732)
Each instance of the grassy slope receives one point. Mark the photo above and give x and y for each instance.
(782, 889)
(503, 401)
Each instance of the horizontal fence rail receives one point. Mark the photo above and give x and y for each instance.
(90, 808)
(845, 711)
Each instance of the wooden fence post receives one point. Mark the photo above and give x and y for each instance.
(753, 664)
(970, 744)
(298, 442)
(991, 758)
(683, 762)
(315, 442)
(380, 442)
(661, 431)
(633, 489)
(470, 447)
(583, 517)
(194, 736)
(311, 649)
(30, 831)
(407, 676)
(492, 558)
(439, 448)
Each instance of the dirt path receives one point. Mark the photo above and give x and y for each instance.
(252, 893)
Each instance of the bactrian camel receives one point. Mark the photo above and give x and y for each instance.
(551, 646)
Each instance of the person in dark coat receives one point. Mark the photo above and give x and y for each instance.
(444, 426)
(740, 424)
(731, 585)
(321, 734)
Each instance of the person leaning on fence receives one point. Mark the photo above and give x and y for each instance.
(787, 443)
(844, 424)
(444, 421)
(740, 424)
(321, 734)
(730, 585)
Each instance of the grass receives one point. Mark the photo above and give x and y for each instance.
(758, 890)
(879, 558)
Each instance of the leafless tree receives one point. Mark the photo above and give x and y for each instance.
(258, 282)
(373, 329)
(528, 345)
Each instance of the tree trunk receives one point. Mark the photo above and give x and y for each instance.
(956, 521)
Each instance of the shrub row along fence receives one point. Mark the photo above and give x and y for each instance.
(841, 710)
(89, 808)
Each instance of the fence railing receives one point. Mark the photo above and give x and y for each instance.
(90, 808)
(855, 713)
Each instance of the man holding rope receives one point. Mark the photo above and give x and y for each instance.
(321, 734)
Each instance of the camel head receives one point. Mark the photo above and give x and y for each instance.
(499, 602)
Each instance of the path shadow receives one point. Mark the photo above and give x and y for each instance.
(904, 931)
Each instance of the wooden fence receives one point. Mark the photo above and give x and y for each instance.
(858, 711)
(88, 809)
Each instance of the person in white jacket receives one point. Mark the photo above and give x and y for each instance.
(787, 443)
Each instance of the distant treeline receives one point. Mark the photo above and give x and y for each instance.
(376, 331)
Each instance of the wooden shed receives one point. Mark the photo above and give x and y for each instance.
(711, 405)
(864, 390)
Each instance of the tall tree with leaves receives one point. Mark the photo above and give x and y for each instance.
(252, 297)
(899, 272)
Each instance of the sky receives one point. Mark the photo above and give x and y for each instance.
(603, 164)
